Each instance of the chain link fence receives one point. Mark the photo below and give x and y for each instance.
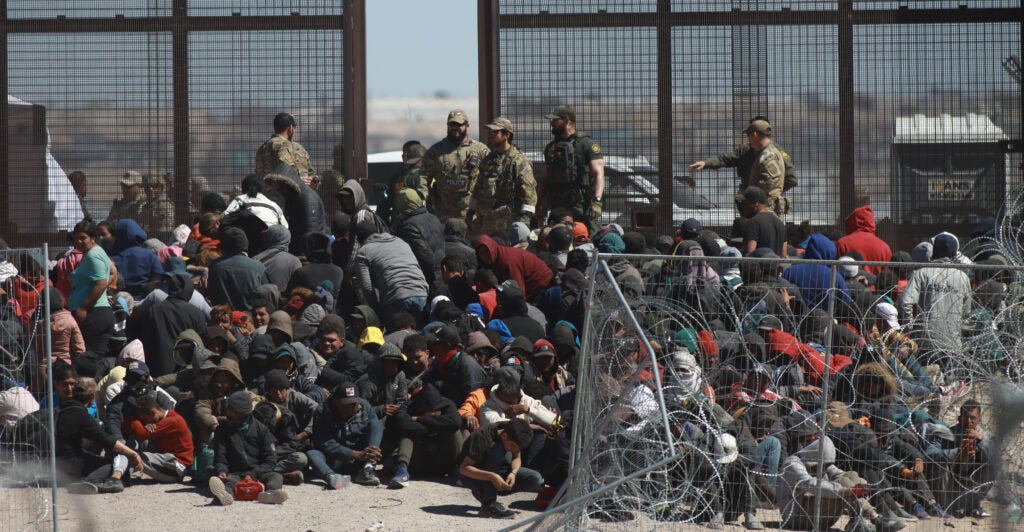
(28, 492)
(702, 399)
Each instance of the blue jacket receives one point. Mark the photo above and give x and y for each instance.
(814, 280)
(136, 265)
(337, 438)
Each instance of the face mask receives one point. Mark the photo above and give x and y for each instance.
(107, 243)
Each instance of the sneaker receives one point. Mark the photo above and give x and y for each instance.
(750, 522)
(980, 513)
(938, 511)
(366, 477)
(83, 488)
(273, 497)
(888, 523)
(905, 515)
(293, 478)
(496, 510)
(220, 492)
(400, 479)
(337, 482)
(111, 485)
(919, 511)
(717, 522)
(859, 524)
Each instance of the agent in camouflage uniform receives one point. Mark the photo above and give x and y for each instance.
(758, 163)
(280, 148)
(573, 169)
(506, 191)
(129, 205)
(409, 177)
(158, 211)
(451, 167)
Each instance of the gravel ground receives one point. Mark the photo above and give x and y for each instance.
(424, 505)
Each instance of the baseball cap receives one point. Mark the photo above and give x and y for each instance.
(210, 362)
(276, 379)
(887, 311)
(444, 334)
(761, 126)
(501, 124)
(152, 179)
(580, 233)
(562, 111)
(691, 228)
(138, 368)
(131, 178)
(346, 393)
(543, 348)
(416, 153)
(755, 194)
(458, 116)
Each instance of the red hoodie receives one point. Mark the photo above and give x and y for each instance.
(860, 237)
(523, 267)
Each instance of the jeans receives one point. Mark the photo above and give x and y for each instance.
(413, 305)
(483, 491)
(324, 466)
(769, 454)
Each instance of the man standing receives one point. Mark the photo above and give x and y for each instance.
(129, 205)
(506, 191)
(763, 229)
(760, 162)
(451, 166)
(158, 211)
(280, 148)
(573, 169)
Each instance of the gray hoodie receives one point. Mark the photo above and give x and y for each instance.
(387, 271)
(796, 481)
(280, 264)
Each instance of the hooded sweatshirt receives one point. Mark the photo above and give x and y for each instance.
(232, 278)
(166, 320)
(279, 263)
(525, 268)
(387, 272)
(814, 280)
(319, 268)
(860, 237)
(938, 300)
(422, 231)
(211, 410)
(136, 264)
(304, 210)
(360, 212)
(514, 315)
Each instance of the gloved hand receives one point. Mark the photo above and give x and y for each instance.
(594, 212)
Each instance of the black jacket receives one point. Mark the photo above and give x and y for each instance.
(73, 425)
(434, 414)
(248, 449)
(425, 235)
(347, 365)
(461, 376)
(514, 314)
(163, 322)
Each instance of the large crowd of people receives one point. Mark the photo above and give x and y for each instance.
(258, 348)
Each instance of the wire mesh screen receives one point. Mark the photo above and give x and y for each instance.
(184, 92)
(26, 497)
(761, 379)
(906, 105)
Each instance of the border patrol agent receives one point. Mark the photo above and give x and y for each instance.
(573, 169)
(506, 191)
(451, 166)
(760, 163)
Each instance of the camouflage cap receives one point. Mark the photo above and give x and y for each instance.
(501, 124)
(458, 116)
(761, 126)
(152, 179)
(416, 153)
(562, 111)
(131, 178)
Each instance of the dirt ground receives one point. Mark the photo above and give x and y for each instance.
(424, 505)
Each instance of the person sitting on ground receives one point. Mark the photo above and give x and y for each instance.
(426, 427)
(487, 469)
(290, 460)
(346, 439)
(278, 391)
(170, 450)
(244, 449)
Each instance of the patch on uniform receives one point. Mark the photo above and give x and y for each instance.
(596, 148)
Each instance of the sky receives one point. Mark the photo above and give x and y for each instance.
(418, 48)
